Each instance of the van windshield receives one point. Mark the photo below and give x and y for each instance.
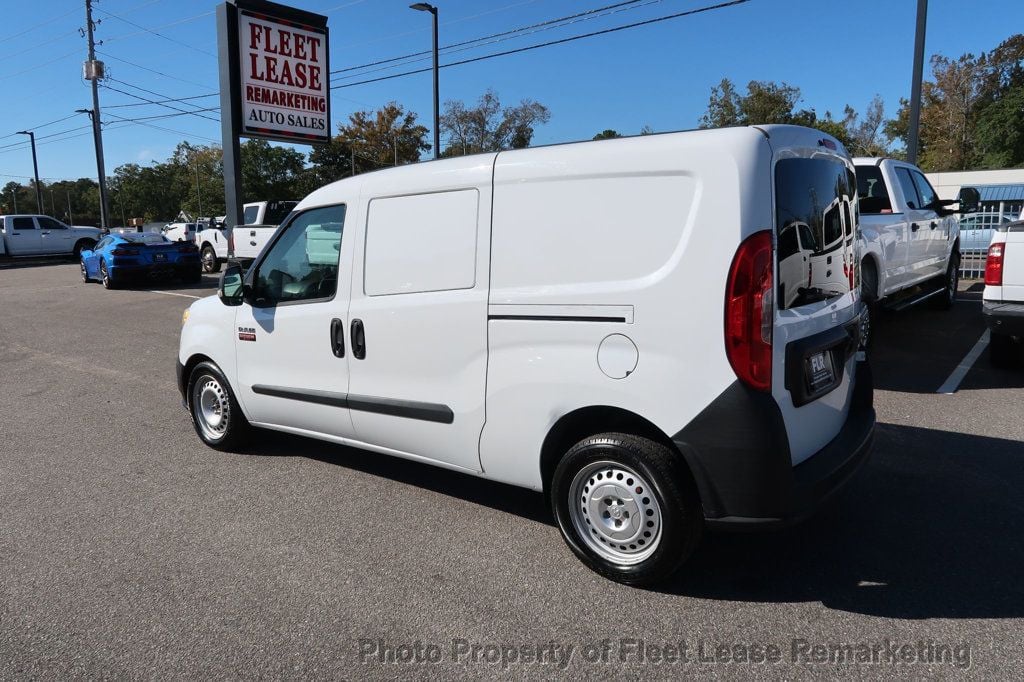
(815, 222)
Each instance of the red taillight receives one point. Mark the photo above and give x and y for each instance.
(750, 310)
(124, 252)
(994, 265)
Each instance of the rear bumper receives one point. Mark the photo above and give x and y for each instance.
(739, 454)
(164, 270)
(1004, 318)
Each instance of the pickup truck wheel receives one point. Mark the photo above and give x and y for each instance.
(210, 262)
(626, 507)
(951, 281)
(216, 416)
(106, 278)
(82, 244)
(1001, 350)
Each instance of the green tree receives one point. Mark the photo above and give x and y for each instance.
(489, 127)
(270, 172)
(607, 134)
(388, 137)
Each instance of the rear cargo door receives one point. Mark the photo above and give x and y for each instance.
(812, 361)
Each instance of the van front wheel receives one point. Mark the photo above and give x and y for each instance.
(215, 412)
(626, 507)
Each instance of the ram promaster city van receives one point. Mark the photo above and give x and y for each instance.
(603, 321)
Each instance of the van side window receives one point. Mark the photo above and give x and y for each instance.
(302, 265)
(420, 243)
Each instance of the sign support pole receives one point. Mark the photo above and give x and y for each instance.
(227, 49)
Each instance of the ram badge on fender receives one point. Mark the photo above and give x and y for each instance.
(615, 323)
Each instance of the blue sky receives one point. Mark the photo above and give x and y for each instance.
(658, 75)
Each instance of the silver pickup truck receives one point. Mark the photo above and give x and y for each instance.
(40, 235)
(909, 238)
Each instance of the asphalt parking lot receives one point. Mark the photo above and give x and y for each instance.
(128, 549)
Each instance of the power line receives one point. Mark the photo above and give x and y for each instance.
(173, 23)
(39, 25)
(168, 130)
(157, 102)
(146, 68)
(156, 33)
(509, 32)
(570, 39)
(164, 101)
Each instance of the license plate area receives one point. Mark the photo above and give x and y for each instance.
(819, 371)
(160, 257)
(815, 364)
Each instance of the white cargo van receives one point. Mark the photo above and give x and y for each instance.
(603, 321)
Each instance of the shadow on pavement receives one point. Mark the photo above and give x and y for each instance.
(916, 349)
(932, 528)
(519, 501)
(9, 263)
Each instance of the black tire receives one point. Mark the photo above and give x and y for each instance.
(85, 272)
(1002, 350)
(105, 277)
(82, 244)
(675, 496)
(209, 258)
(235, 430)
(194, 278)
(950, 283)
(869, 300)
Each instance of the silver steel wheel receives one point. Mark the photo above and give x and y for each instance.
(85, 273)
(614, 510)
(211, 407)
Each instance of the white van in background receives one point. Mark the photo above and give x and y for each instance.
(601, 321)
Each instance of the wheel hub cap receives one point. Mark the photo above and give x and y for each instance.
(615, 513)
(211, 407)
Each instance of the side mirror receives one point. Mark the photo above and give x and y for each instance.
(969, 199)
(231, 290)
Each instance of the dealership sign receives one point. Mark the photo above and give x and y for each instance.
(280, 76)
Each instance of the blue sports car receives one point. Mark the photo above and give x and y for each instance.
(121, 258)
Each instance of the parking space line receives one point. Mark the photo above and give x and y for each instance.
(173, 293)
(953, 382)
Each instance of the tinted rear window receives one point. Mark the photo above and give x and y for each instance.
(816, 198)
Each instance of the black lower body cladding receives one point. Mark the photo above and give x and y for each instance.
(739, 454)
(1004, 318)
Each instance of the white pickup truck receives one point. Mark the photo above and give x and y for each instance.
(1003, 300)
(909, 238)
(40, 235)
(260, 219)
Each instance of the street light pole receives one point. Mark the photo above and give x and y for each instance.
(35, 167)
(915, 87)
(425, 7)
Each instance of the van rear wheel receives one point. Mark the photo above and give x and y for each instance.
(627, 507)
